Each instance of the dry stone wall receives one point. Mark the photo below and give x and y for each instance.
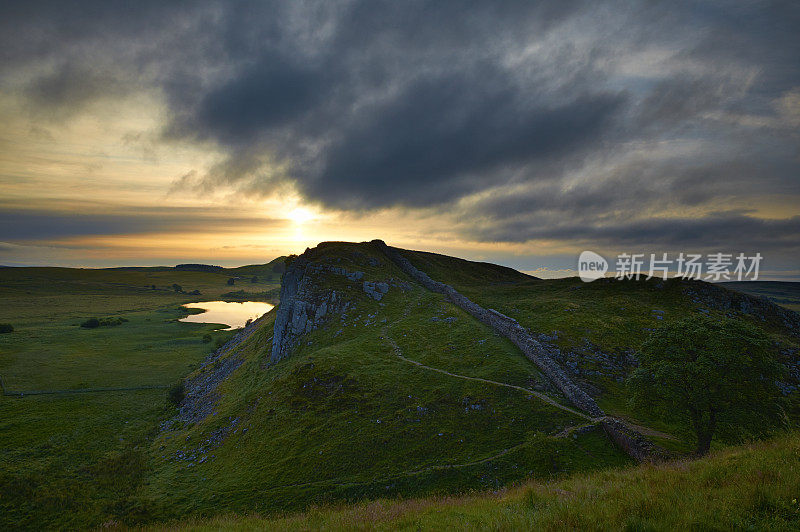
(538, 353)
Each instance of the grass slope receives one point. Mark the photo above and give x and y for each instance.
(753, 487)
(599, 325)
(344, 418)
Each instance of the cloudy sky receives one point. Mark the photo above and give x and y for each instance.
(517, 132)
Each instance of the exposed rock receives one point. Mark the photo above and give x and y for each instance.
(200, 395)
(376, 290)
(710, 296)
(305, 305)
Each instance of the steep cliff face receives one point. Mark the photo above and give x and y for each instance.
(320, 284)
(303, 306)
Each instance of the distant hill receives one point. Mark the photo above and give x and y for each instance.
(270, 270)
(783, 293)
(199, 268)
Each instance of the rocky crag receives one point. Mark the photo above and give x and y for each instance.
(307, 304)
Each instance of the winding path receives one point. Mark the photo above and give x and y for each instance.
(398, 352)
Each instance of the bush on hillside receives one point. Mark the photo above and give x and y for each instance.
(176, 393)
(207, 338)
(6, 328)
(91, 323)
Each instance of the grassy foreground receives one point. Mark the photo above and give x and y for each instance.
(747, 487)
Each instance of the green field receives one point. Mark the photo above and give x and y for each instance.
(66, 458)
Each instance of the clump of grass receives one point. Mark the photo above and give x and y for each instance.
(6, 328)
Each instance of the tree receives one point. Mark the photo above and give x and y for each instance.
(6, 328)
(231, 281)
(706, 371)
(177, 287)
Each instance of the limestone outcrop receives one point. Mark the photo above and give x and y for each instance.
(306, 304)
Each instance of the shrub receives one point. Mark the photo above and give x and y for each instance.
(176, 393)
(111, 322)
(231, 281)
(6, 328)
(177, 287)
(91, 323)
(254, 279)
(207, 338)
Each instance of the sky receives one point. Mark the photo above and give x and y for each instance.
(518, 132)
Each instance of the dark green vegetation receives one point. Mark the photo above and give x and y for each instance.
(93, 323)
(710, 372)
(404, 395)
(753, 487)
(73, 459)
(344, 417)
(6, 328)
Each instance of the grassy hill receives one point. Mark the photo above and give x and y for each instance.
(386, 390)
(344, 417)
(750, 487)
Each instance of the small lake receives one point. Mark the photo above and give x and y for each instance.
(234, 315)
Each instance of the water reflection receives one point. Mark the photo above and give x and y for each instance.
(234, 315)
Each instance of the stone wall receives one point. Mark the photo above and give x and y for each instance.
(633, 443)
(533, 349)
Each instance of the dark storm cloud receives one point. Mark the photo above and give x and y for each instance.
(443, 138)
(368, 104)
(714, 232)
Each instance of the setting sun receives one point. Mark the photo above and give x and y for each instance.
(300, 215)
